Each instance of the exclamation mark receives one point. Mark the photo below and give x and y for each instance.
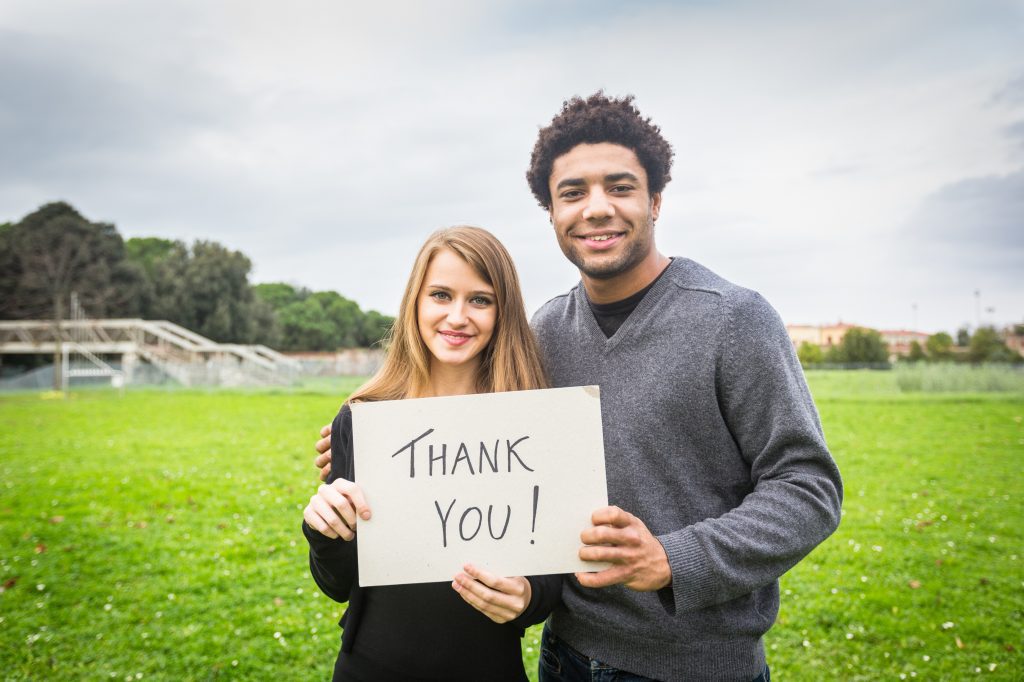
(533, 523)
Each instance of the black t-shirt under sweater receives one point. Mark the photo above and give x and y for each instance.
(610, 316)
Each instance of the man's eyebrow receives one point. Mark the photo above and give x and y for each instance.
(611, 177)
(570, 182)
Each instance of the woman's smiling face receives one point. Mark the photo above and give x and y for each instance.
(456, 310)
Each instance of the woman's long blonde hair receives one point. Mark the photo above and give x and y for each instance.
(511, 361)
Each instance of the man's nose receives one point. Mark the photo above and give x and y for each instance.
(598, 207)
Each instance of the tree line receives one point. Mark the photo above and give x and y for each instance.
(205, 286)
(866, 346)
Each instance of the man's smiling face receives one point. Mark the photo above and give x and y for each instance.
(602, 211)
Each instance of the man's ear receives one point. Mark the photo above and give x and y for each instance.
(655, 205)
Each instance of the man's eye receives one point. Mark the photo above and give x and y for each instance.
(571, 194)
(621, 189)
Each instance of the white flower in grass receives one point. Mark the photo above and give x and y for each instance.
(991, 667)
(948, 624)
(107, 607)
(41, 586)
(849, 635)
(170, 597)
(926, 658)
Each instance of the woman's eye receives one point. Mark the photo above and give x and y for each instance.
(440, 296)
(481, 301)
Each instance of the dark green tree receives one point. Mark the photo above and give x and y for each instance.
(810, 354)
(305, 326)
(988, 346)
(939, 347)
(860, 345)
(279, 294)
(963, 337)
(916, 353)
(374, 328)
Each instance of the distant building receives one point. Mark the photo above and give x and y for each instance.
(825, 335)
(899, 340)
(804, 333)
(829, 335)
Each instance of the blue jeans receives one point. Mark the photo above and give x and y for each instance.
(559, 662)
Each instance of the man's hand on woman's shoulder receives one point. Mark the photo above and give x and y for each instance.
(323, 448)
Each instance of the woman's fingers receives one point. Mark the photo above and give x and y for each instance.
(335, 509)
(355, 496)
(316, 521)
(500, 599)
(328, 513)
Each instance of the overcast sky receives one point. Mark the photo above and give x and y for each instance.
(847, 160)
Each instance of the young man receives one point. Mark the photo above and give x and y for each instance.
(718, 472)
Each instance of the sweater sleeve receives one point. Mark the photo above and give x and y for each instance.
(333, 561)
(545, 595)
(796, 493)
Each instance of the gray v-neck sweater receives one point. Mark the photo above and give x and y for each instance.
(712, 439)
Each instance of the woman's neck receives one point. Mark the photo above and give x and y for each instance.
(452, 380)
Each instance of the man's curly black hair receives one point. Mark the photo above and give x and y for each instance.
(596, 119)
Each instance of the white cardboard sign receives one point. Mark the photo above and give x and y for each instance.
(504, 480)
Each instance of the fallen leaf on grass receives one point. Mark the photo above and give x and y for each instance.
(40, 548)
(938, 562)
(56, 519)
(278, 601)
(170, 519)
(914, 584)
(10, 582)
(142, 524)
(1009, 647)
(924, 523)
(959, 643)
(983, 581)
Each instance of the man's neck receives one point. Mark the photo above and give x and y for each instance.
(626, 284)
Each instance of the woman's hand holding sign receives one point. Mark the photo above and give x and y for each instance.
(334, 509)
(500, 599)
(638, 560)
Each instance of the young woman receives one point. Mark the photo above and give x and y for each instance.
(461, 329)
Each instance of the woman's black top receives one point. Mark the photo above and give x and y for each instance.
(414, 632)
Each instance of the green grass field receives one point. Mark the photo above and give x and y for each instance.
(155, 536)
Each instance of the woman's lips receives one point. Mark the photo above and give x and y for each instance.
(456, 338)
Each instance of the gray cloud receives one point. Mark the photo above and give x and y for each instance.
(983, 218)
(65, 111)
(1011, 93)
